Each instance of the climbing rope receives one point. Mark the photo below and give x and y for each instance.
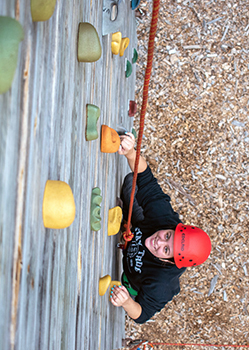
(145, 343)
(153, 27)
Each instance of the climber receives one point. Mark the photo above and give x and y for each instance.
(161, 248)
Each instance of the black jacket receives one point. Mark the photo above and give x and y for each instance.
(155, 281)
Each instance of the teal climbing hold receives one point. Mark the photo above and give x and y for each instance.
(135, 56)
(134, 133)
(134, 4)
(128, 69)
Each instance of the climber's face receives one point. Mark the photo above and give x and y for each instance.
(161, 244)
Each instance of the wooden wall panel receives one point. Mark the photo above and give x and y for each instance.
(49, 278)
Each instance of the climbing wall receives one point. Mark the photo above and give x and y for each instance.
(49, 277)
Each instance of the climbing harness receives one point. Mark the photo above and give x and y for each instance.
(126, 283)
(128, 235)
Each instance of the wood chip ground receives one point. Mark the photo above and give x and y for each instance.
(196, 140)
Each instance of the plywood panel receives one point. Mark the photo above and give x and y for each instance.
(51, 297)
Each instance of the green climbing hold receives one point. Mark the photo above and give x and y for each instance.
(93, 113)
(89, 48)
(11, 34)
(135, 56)
(134, 133)
(42, 10)
(128, 69)
(95, 217)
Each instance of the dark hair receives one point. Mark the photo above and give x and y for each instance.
(171, 259)
(167, 262)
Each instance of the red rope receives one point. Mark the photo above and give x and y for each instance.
(192, 344)
(153, 27)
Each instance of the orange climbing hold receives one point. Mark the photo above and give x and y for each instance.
(110, 140)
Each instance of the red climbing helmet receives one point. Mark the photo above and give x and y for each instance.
(192, 246)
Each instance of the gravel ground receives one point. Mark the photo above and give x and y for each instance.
(196, 140)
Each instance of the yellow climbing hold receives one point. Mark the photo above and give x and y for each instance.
(89, 48)
(116, 42)
(104, 283)
(124, 44)
(42, 10)
(11, 33)
(114, 220)
(112, 284)
(58, 208)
